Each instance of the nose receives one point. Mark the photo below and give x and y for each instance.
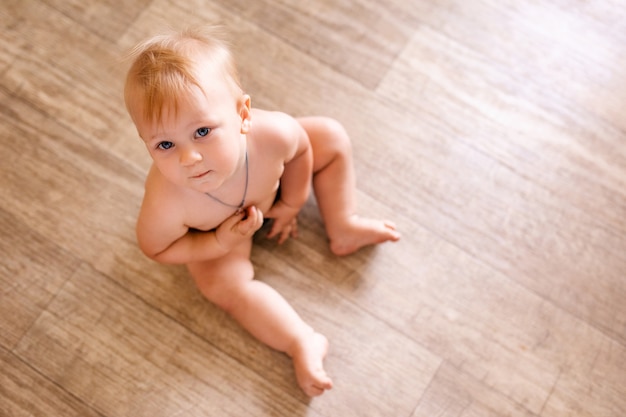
(190, 156)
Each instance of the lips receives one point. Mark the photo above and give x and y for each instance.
(200, 175)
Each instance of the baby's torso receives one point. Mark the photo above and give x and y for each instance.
(205, 213)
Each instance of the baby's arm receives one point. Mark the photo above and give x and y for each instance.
(187, 245)
(296, 179)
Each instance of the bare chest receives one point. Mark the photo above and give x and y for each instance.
(206, 213)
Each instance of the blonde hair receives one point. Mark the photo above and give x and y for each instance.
(164, 69)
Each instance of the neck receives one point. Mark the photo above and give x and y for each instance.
(240, 205)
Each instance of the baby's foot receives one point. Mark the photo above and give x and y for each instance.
(359, 232)
(308, 357)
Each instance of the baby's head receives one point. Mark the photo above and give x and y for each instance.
(166, 68)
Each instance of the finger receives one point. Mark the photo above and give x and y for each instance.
(257, 216)
(252, 220)
(276, 229)
(246, 221)
(232, 221)
(284, 235)
(273, 232)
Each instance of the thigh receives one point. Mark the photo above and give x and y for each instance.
(220, 279)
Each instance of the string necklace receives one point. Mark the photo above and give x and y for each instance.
(239, 206)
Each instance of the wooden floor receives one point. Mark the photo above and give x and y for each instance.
(492, 132)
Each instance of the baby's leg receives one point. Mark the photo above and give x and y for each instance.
(335, 189)
(228, 282)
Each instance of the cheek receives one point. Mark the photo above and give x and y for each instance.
(169, 168)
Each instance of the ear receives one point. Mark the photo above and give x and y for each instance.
(245, 113)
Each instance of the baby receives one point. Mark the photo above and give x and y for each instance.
(219, 168)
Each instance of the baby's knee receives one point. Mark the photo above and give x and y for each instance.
(336, 133)
(222, 287)
(226, 296)
(333, 127)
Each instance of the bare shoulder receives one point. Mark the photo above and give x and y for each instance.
(277, 130)
(161, 219)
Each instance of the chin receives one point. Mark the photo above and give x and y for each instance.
(202, 187)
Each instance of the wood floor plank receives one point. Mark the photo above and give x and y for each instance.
(24, 392)
(568, 55)
(82, 85)
(595, 391)
(12, 44)
(554, 195)
(120, 355)
(62, 185)
(374, 40)
(105, 18)
(33, 271)
(470, 316)
(453, 393)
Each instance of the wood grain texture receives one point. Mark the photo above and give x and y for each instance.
(490, 131)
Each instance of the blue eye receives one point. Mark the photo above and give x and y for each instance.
(165, 145)
(202, 132)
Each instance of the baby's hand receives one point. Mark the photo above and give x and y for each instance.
(239, 227)
(285, 221)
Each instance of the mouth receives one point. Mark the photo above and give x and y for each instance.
(200, 175)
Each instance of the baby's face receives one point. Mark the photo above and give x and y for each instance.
(201, 144)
